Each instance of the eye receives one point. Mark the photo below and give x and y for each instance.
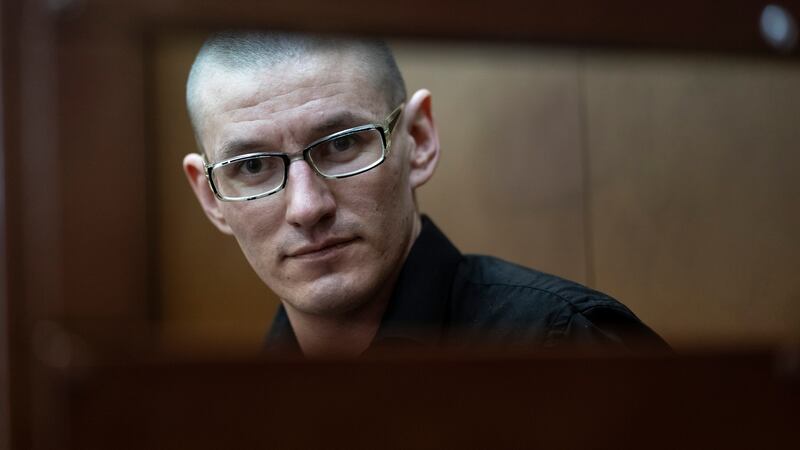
(255, 167)
(343, 143)
(252, 166)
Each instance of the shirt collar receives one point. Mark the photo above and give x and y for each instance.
(417, 310)
(281, 340)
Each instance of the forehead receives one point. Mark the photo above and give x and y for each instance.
(281, 100)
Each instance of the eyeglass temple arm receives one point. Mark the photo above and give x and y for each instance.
(391, 123)
(393, 119)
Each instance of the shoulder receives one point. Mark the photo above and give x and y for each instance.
(493, 280)
(513, 303)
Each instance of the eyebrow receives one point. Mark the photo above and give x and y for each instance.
(333, 123)
(339, 121)
(236, 147)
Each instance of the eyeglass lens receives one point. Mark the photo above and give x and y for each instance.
(346, 154)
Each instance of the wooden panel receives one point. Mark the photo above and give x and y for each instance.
(209, 296)
(103, 174)
(33, 215)
(700, 401)
(5, 410)
(684, 24)
(5, 335)
(694, 193)
(510, 178)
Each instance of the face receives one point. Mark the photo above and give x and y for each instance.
(324, 246)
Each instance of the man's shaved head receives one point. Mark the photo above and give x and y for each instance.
(248, 52)
(331, 248)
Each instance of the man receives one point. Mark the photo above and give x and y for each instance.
(311, 154)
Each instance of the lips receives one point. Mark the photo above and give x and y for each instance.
(320, 249)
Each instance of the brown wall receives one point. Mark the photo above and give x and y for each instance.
(209, 296)
(100, 231)
(663, 180)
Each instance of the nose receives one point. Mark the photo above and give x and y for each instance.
(308, 199)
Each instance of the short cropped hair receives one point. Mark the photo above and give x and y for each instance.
(254, 50)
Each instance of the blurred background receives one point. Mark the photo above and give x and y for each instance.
(667, 180)
(646, 149)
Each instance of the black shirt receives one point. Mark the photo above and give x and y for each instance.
(472, 301)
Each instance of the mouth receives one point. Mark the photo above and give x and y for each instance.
(321, 249)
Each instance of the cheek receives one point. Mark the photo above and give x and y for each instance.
(253, 225)
(385, 199)
(244, 218)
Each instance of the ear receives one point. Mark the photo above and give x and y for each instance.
(424, 151)
(194, 167)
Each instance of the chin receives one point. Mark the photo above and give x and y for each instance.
(332, 296)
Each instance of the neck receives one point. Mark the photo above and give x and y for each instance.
(341, 336)
(346, 335)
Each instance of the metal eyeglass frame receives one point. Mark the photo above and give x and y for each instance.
(385, 129)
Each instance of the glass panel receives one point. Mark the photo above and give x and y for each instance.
(667, 180)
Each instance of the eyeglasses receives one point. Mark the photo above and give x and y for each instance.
(340, 155)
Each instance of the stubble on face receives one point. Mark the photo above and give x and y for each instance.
(368, 218)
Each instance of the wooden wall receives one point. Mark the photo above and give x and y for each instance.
(694, 199)
(683, 207)
(208, 296)
(665, 180)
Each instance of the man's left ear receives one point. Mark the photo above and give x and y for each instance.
(424, 152)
